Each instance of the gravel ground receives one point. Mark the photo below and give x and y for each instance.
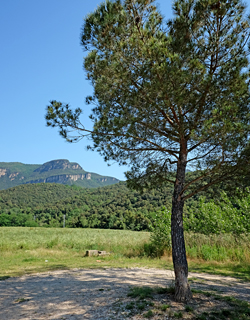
(96, 293)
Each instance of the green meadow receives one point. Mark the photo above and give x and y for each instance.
(27, 250)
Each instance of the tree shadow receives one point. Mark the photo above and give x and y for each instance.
(83, 294)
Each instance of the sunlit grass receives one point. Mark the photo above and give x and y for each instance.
(29, 250)
(14, 238)
(220, 248)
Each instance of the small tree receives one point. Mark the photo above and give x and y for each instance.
(167, 96)
(160, 227)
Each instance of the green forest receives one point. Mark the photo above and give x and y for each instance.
(117, 207)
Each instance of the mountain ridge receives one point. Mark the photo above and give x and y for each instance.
(60, 171)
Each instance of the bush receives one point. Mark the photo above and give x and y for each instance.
(5, 220)
(227, 216)
(31, 223)
(160, 238)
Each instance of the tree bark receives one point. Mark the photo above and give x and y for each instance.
(182, 289)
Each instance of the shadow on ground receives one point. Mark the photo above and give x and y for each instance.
(87, 294)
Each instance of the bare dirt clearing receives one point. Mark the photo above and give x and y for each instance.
(102, 294)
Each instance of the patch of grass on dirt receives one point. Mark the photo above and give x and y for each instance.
(234, 269)
(21, 300)
(4, 278)
(164, 307)
(149, 314)
(161, 290)
(203, 306)
(232, 308)
(141, 292)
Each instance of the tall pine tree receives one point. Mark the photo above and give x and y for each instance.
(168, 96)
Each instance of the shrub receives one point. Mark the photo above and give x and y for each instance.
(227, 216)
(160, 238)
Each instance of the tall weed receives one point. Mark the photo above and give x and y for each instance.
(221, 247)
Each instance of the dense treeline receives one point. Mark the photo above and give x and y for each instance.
(117, 207)
(33, 195)
(113, 206)
(226, 215)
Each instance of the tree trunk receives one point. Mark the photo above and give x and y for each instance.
(182, 289)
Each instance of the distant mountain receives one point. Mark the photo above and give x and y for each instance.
(56, 171)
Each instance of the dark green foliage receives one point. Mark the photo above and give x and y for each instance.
(141, 292)
(111, 207)
(160, 91)
(228, 215)
(17, 219)
(117, 207)
(178, 315)
(4, 278)
(130, 306)
(165, 290)
(225, 314)
(239, 310)
(160, 238)
(202, 316)
(149, 314)
(34, 195)
(189, 308)
(164, 307)
(142, 305)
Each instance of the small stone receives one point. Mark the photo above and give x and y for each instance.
(90, 253)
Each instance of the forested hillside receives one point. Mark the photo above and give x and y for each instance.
(112, 206)
(40, 194)
(117, 207)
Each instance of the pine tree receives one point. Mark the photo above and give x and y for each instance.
(168, 96)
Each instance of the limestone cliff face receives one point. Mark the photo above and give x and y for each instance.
(12, 176)
(2, 172)
(88, 176)
(58, 165)
(103, 179)
(62, 165)
(62, 178)
(106, 179)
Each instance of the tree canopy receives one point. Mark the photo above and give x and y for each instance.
(157, 84)
(168, 96)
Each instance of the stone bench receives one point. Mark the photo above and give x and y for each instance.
(95, 253)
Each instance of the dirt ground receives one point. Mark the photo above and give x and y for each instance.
(102, 293)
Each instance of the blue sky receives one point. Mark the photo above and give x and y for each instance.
(40, 60)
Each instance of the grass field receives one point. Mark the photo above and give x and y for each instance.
(28, 250)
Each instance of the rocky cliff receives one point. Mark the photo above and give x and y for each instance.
(55, 171)
(63, 178)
